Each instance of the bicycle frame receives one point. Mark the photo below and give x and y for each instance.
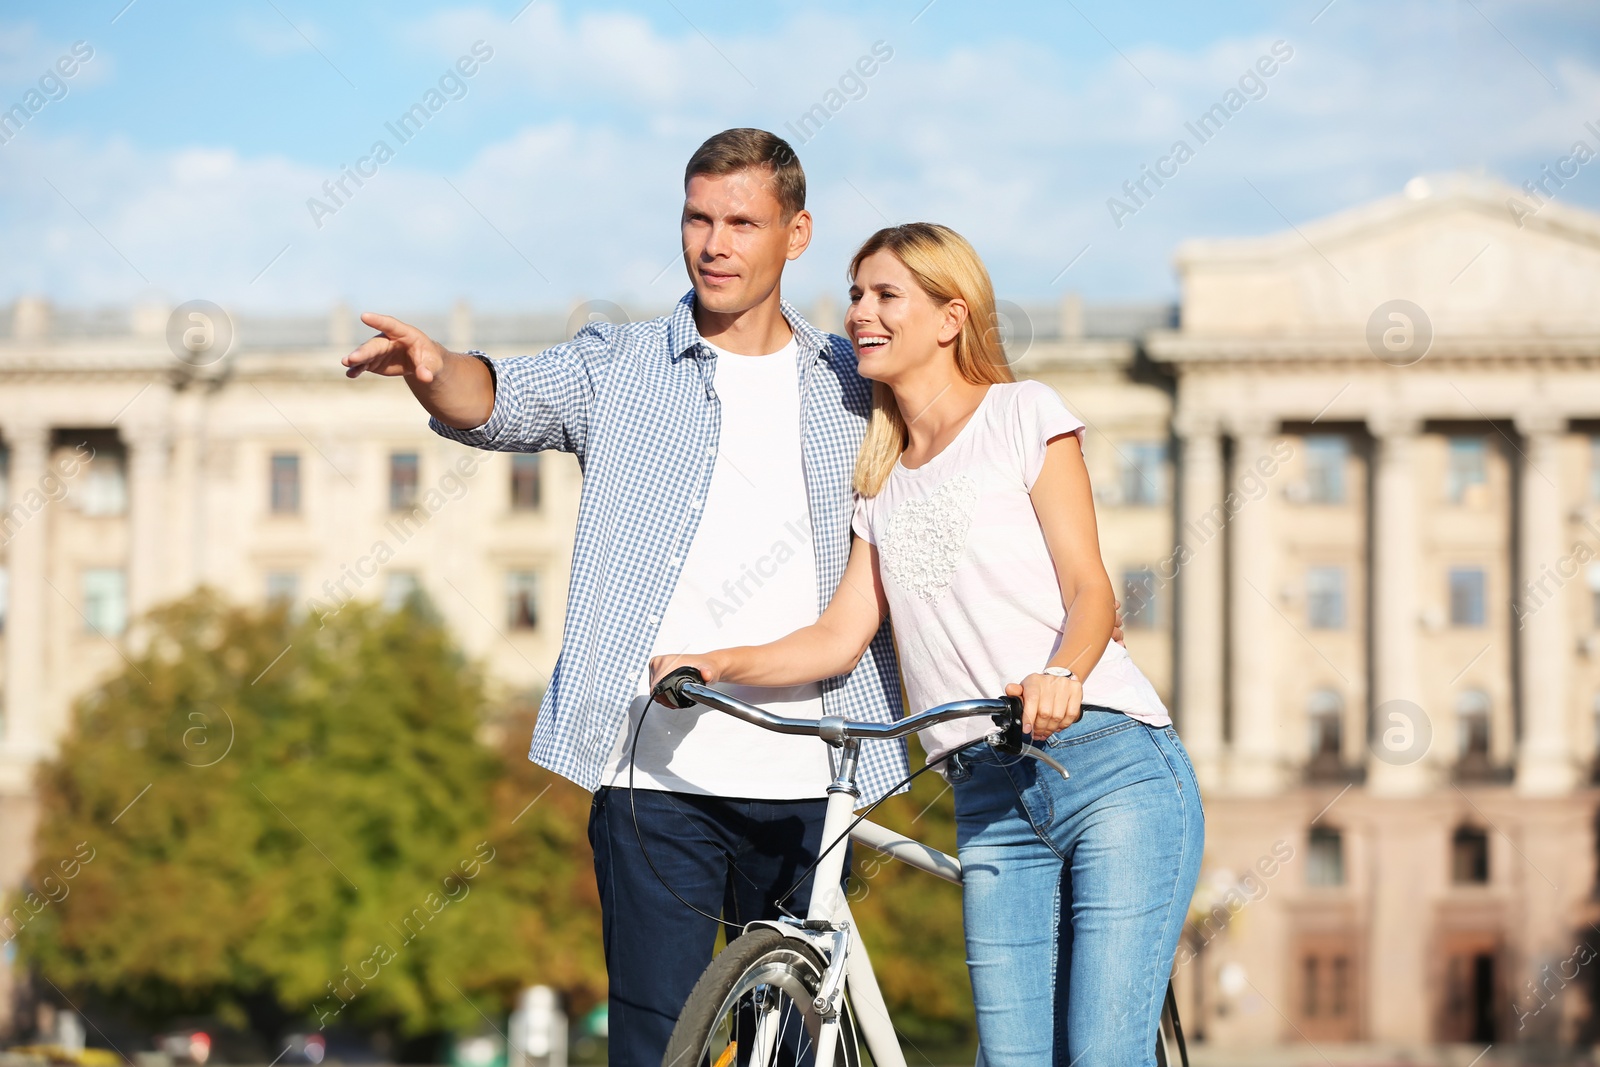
(829, 928)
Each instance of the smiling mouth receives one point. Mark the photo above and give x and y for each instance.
(866, 343)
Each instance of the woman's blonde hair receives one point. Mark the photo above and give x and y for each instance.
(945, 267)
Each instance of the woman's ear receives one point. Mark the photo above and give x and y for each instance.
(955, 317)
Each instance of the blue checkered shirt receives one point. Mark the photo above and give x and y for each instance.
(636, 403)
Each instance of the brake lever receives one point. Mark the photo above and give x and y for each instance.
(997, 741)
(1008, 738)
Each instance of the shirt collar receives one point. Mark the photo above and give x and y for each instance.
(683, 336)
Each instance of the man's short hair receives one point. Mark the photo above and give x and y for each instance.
(732, 151)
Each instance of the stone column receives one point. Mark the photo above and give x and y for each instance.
(1256, 766)
(1397, 732)
(22, 530)
(1199, 563)
(1543, 629)
(149, 536)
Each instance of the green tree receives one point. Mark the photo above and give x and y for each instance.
(307, 810)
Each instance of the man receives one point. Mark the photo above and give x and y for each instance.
(717, 445)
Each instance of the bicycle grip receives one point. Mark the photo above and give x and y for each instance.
(669, 690)
(1010, 722)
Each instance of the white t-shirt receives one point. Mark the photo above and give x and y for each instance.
(749, 577)
(970, 583)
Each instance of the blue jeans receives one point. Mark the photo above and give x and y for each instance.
(1074, 891)
(727, 857)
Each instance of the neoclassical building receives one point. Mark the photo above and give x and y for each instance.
(1349, 489)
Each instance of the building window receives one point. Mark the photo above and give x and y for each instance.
(105, 486)
(1472, 724)
(1325, 597)
(282, 587)
(285, 489)
(1325, 712)
(1468, 468)
(1467, 596)
(522, 599)
(398, 589)
(525, 481)
(403, 478)
(1594, 468)
(1325, 857)
(1469, 856)
(1325, 466)
(1144, 473)
(1139, 598)
(105, 600)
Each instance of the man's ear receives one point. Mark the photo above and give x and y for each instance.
(799, 233)
(955, 317)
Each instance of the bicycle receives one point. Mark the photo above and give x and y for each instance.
(798, 991)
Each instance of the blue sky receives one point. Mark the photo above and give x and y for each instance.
(180, 160)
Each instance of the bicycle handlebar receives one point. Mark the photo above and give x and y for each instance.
(686, 686)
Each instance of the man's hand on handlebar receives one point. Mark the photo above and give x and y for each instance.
(661, 666)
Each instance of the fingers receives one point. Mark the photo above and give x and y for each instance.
(369, 355)
(1030, 704)
(1058, 703)
(387, 324)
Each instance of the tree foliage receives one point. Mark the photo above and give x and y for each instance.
(308, 810)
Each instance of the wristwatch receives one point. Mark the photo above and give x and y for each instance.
(1059, 672)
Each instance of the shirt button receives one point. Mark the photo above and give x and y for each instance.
(675, 561)
(711, 452)
(654, 619)
(695, 504)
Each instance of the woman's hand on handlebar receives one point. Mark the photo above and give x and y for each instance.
(1049, 703)
(709, 665)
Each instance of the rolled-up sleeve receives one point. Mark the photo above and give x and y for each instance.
(542, 401)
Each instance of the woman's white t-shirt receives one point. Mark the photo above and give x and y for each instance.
(972, 591)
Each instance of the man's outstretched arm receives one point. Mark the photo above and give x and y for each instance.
(456, 389)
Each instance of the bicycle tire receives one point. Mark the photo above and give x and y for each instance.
(755, 964)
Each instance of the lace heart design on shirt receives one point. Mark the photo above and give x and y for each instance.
(924, 539)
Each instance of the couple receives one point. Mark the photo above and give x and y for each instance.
(755, 485)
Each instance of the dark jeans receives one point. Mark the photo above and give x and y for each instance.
(725, 856)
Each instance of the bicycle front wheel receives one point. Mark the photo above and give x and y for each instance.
(753, 1008)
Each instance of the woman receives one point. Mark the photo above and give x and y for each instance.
(976, 533)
